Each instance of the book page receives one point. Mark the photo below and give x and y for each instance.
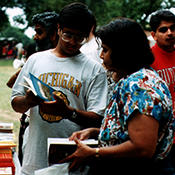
(29, 85)
(43, 90)
(6, 136)
(39, 88)
(7, 140)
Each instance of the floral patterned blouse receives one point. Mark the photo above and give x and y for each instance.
(145, 91)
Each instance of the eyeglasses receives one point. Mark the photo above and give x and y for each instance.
(67, 37)
(164, 29)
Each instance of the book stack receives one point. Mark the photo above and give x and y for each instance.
(6, 171)
(59, 148)
(7, 166)
(6, 127)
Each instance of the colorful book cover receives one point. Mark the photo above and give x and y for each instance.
(39, 88)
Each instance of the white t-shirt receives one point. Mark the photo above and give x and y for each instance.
(92, 50)
(82, 80)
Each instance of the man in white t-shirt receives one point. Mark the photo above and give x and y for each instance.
(91, 48)
(80, 80)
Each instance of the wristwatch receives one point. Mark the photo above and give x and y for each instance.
(74, 114)
(97, 155)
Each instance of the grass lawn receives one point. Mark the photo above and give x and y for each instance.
(6, 112)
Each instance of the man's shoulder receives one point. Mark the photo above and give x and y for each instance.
(41, 53)
(91, 61)
(38, 56)
(95, 65)
(92, 67)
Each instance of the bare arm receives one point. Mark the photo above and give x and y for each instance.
(12, 79)
(85, 118)
(143, 132)
(58, 107)
(22, 103)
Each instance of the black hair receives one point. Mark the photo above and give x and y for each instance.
(129, 44)
(48, 20)
(77, 16)
(30, 49)
(159, 16)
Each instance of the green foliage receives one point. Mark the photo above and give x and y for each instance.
(104, 10)
(17, 33)
(19, 19)
(138, 10)
(4, 20)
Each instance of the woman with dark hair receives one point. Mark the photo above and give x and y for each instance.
(129, 45)
(136, 134)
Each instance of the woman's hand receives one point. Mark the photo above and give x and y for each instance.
(84, 134)
(80, 156)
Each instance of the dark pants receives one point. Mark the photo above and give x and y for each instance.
(131, 166)
(23, 126)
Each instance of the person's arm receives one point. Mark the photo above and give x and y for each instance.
(58, 107)
(22, 103)
(12, 79)
(143, 132)
(84, 118)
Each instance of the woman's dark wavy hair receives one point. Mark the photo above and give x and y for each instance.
(129, 44)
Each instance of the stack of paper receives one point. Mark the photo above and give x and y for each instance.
(5, 171)
(6, 135)
(7, 166)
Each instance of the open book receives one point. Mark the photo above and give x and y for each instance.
(59, 148)
(6, 135)
(45, 92)
(39, 88)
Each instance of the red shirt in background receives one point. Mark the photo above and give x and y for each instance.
(164, 64)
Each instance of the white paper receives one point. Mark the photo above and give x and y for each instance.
(57, 169)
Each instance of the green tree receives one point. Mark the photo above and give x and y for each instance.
(16, 33)
(4, 19)
(138, 10)
(104, 10)
(33, 7)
